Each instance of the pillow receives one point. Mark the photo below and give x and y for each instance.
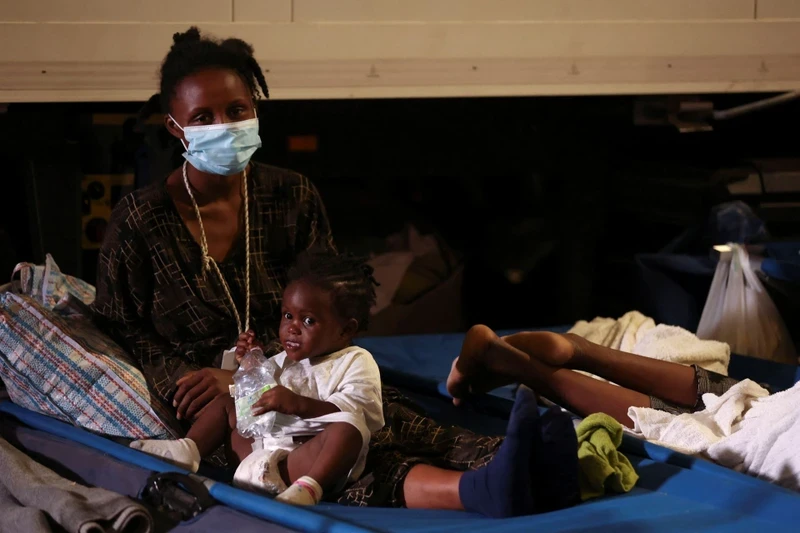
(66, 368)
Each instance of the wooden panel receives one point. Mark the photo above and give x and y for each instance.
(520, 10)
(146, 42)
(420, 77)
(189, 11)
(119, 62)
(776, 9)
(262, 10)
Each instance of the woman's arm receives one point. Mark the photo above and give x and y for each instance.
(123, 306)
(124, 297)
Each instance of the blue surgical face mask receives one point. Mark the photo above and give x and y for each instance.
(222, 149)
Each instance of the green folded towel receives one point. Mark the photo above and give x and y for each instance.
(602, 467)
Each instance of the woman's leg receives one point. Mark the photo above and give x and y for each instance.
(451, 450)
(486, 360)
(535, 469)
(502, 488)
(430, 487)
(417, 463)
(414, 451)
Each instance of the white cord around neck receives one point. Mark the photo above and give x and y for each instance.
(209, 262)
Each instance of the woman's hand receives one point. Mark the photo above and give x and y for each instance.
(279, 399)
(196, 389)
(245, 343)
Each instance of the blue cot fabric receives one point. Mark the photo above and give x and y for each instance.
(674, 493)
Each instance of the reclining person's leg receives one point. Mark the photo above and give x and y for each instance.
(670, 382)
(487, 360)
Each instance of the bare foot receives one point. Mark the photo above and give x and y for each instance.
(475, 370)
(550, 348)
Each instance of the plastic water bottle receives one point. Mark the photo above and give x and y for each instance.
(254, 377)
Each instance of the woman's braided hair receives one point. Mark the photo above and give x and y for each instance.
(191, 53)
(347, 277)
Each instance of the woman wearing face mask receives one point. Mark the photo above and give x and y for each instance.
(199, 258)
(195, 259)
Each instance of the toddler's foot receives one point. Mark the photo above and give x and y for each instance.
(304, 491)
(260, 472)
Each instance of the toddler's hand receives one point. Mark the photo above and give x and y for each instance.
(244, 343)
(278, 399)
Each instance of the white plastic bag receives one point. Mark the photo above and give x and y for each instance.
(253, 378)
(739, 312)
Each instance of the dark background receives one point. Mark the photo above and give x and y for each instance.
(563, 192)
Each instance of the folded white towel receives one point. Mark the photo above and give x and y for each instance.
(745, 429)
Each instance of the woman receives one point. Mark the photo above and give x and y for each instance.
(190, 263)
(172, 270)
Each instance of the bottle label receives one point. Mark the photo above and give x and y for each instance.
(245, 403)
